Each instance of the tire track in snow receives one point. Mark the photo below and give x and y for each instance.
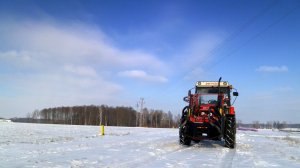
(156, 152)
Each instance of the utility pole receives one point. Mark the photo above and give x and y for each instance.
(100, 115)
(84, 115)
(169, 117)
(142, 102)
(71, 111)
(137, 115)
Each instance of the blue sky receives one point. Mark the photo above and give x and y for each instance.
(64, 53)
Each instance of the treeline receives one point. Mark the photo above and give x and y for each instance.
(104, 115)
(268, 125)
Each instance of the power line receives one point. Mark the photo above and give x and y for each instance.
(241, 29)
(238, 32)
(230, 38)
(251, 21)
(258, 34)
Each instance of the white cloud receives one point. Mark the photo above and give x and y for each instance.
(76, 43)
(53, 64)
(46, 46)
(81, 70)
(270, 69)
(200, 48)
(19, 59)
(195, 73)
(197, 53)
(283, 89)
(139, 74)
(37, 91)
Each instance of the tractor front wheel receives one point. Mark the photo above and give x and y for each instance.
(184, 129)
(183, 138)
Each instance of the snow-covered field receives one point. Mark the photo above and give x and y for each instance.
(43, 145)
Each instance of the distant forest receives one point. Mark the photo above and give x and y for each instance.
(102, 115)
(123, 116)
(267, 125)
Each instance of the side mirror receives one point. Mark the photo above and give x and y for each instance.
(186, 99)
(235, 93)
(189, 93)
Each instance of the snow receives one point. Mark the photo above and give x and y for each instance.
(4, 120)
(44, 145)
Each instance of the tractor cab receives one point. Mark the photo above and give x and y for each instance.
(213, 94)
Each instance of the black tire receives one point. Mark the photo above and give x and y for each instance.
(215, 132)
(183, 130)
(183, 138)
(185, 112)
(230, 131)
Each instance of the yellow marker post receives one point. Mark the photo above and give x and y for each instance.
(101, 130)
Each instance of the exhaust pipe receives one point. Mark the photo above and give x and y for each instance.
(219, 85)
(219, 91)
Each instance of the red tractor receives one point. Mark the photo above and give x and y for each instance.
(210, 114)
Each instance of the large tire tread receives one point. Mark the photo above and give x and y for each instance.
(230, 131)
(183, 130)
(183, 138)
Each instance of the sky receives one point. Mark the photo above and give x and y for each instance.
(63, 53)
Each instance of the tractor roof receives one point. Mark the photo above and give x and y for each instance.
(212, 84)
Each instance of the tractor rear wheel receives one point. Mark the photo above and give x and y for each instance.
(230, 130)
